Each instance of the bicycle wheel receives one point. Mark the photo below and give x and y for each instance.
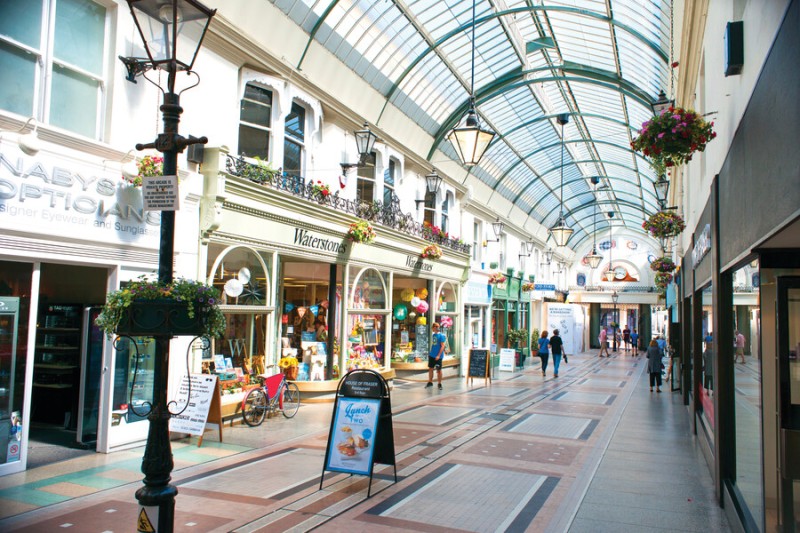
(291, 400)
(255, 407)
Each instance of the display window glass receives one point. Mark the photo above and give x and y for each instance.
(243, 278)
(447, 317)
(367, 316)
(707, 383)
(304, 343)
(410, 311)
(15, 290)
(747, 392)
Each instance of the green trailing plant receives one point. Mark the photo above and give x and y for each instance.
(198, 298)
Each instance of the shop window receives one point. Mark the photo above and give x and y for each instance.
(707, 383)
(294, 140)
(242, 277)
(305, 319)
(389, 181)
(255, 121)
(365, 185)
(367, 321)
(429, 214)
(746, 376)
(411, 319)
(447, 315)
(53, 61)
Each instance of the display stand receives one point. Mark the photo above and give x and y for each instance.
(478, 366)
(214, 414)
(203, 406)
(361, 431)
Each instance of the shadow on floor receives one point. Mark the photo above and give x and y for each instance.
(49, 444)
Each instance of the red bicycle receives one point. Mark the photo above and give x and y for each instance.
(276, 394)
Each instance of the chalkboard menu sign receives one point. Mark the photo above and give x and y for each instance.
(422, 340)
(478, 364)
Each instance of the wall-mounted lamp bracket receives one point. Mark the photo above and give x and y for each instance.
(136, 66)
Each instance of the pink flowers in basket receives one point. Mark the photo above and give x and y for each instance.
(497, 277)
(432, 251)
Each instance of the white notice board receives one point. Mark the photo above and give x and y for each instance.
(193, 419)
(507, 359)
(160, 193)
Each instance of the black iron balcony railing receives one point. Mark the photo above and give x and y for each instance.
(386, 214)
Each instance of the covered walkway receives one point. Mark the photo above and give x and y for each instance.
(593, 450)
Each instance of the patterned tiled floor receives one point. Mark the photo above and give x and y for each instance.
(524, 453)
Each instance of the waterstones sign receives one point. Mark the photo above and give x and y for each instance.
(57, 196)
(413, 261)
(308, 240)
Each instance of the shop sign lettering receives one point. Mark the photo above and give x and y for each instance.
(309, 240)
(56, 197)
(702, 246)
(413, 261)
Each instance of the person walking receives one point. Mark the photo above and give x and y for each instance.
(544, 354)
(708, 370)
(556, 347)
(603, 344)
(654, 365)
(635, 342)
(436, 355)
(739, 345)
(626, 339)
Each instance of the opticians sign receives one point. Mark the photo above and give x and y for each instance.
(59, 196)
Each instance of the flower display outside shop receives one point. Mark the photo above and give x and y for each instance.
(527, 286)
(663, 279)
(430, 230)
(431, 251)
(321, 190)
(664, 224)
(497, 277)
(361, 231)
(200, 300)
(671, 137)
(663, 264)
(148, 166)
(287, 362)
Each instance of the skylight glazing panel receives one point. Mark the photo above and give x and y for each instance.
(583, 39)
(439, 18)
(648, 17)
(533, 190)
(511, 109)
(432, 82)
(615, 154)
(494, 55)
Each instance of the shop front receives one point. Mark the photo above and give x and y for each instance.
(313, 303)
(72, 231)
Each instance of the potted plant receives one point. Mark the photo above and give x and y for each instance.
(149, 165)
(663, 264)
(432, 252)
(320, 190)
(516, 336)
(289, 367)
(497, 277)
(671, 137)
(361, 231)
(664, 224)
(147, 308)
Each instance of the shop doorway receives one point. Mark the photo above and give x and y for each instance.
(788, 336)
(67, 363)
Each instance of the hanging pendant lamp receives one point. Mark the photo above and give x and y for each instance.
(469, 138)
(560, 231)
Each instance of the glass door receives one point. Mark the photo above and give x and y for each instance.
(788, 334)
(10, 414)
(91, 379)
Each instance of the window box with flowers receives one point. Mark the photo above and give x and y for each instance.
(497, 278)
(664, 224)
(671, 137)
(148, 166)
(147, 308)
(432, 252)
(361, 231)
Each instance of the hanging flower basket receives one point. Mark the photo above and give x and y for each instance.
(320, 190)
(361, 231)
(148, 166)
(664, 224)
(527, 287)
(663, 264)
(497, 277)
(147, 308)
(671, 137)
(663, 279)
(432, 252)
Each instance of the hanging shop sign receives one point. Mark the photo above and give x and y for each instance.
(56, 196)
(361, 433)
(702, 246)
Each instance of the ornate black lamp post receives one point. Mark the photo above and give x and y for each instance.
(172, 32)
(615, 299)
